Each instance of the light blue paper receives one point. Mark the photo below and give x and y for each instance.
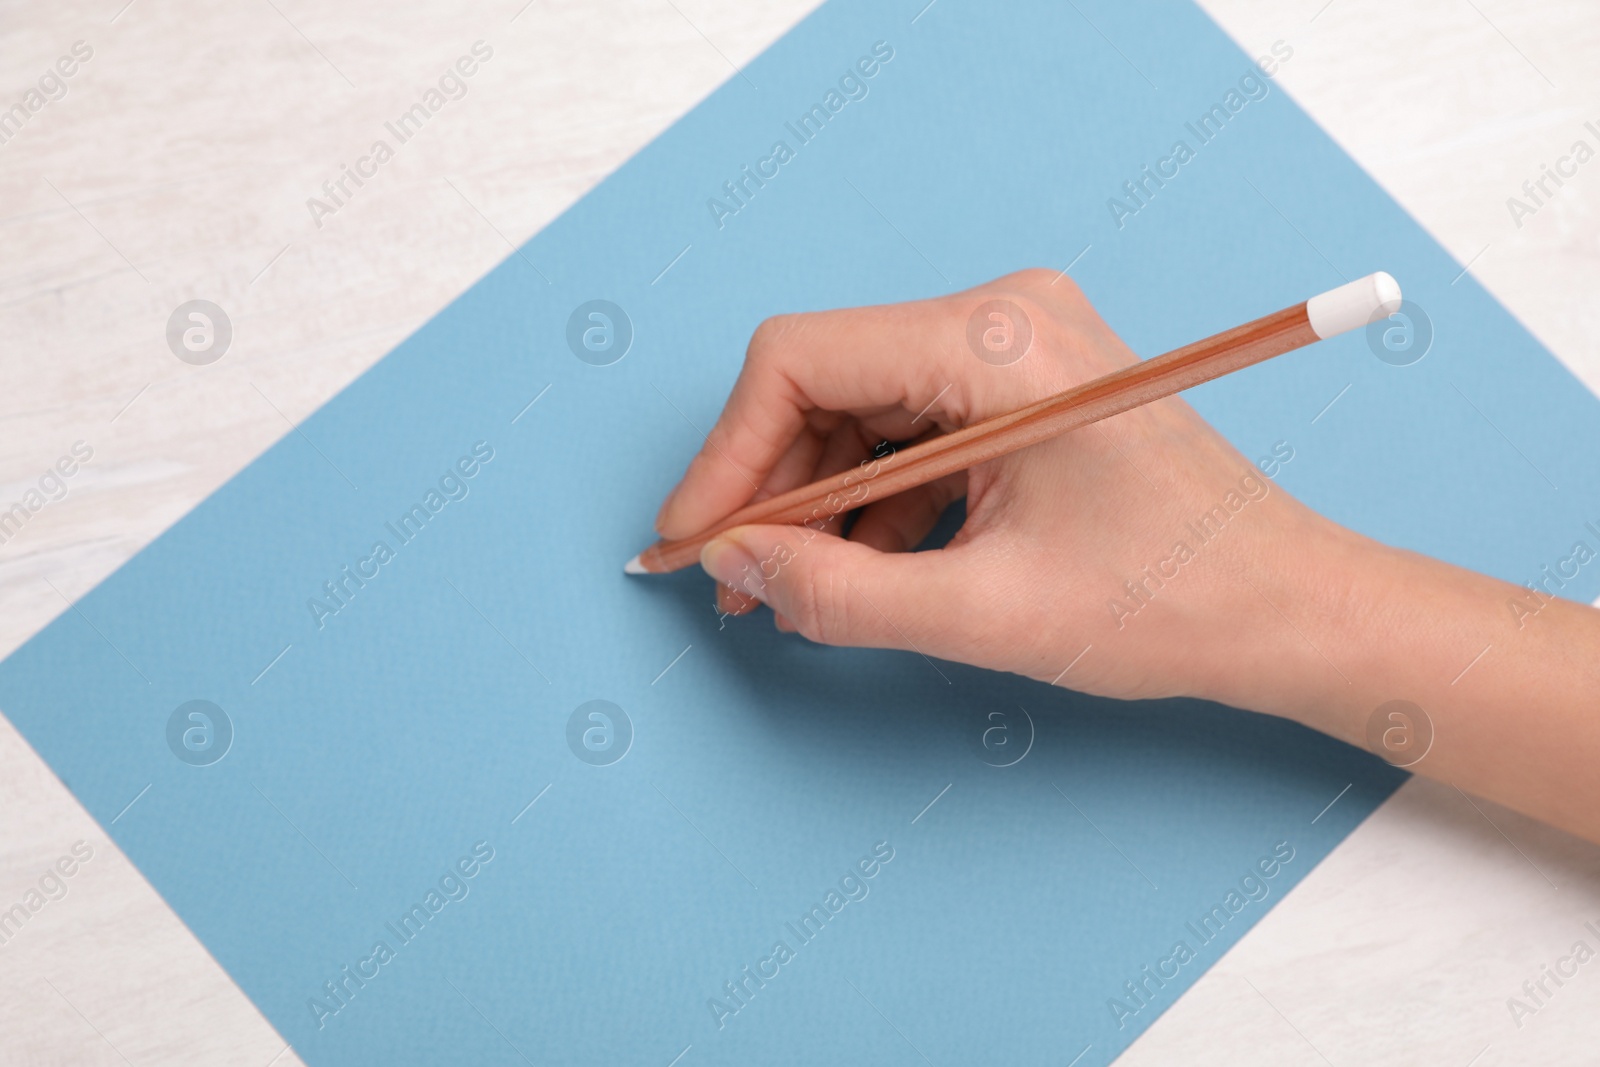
(426, 722)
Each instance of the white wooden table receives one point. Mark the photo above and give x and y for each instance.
(176, 166)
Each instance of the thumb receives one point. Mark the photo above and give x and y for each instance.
(838, 592)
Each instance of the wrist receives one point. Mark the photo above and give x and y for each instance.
(1454, 673)
(1309, 603)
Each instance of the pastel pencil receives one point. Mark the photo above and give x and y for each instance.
(1326, 315)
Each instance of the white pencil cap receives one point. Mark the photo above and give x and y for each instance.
(1377, 296)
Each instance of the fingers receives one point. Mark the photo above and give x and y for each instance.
(880, 364)
(795, 466)
(896, 369)
(732, 602)
(899, 523)
(840, 592)
(808, 459)
(844, 449)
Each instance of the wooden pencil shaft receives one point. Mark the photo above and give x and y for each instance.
(1112, 394)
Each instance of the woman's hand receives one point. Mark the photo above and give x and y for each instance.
(1142, 556)
(1104, 559)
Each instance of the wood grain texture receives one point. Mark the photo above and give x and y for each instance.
(189, 144)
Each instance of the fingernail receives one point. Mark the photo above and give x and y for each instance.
(727, 561)
(666, 506)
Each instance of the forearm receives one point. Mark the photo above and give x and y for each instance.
(1512, 694)
(1144, 558)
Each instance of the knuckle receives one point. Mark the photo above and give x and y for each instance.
(1041, 283)
(768, 337)
(1029, 291)
(1066, 289)
(1050, 295)
(1034, 277)
(1035, 310)
(819, 613)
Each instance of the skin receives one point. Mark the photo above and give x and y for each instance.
(1284, 612)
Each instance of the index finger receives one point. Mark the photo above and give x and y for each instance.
(884, 365)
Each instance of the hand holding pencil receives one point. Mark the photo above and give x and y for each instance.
(1325, 315)
(1265, 606)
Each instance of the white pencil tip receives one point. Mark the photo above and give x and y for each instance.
(633, 566)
